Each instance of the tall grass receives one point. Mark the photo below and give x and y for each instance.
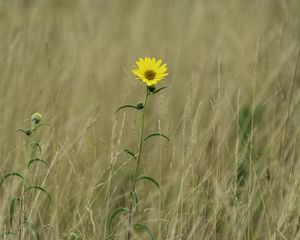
(230, 170)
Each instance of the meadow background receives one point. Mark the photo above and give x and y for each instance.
(231, 111)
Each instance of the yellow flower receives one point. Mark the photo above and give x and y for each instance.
(150, 71)
(36, 118)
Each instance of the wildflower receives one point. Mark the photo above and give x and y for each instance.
(36, 118)
(150, 71)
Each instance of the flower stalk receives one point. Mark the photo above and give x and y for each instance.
(138, 161)
(150, 72)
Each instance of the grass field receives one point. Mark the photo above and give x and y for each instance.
(231, 111)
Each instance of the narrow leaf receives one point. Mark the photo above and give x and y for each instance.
(7, 234)
(41, 125)
(139, 226)
(114, 214)
(1, 179)
(143, 177)
(25, 131)
(158, 90)
(156, 134)
(36, 160)
(135, 198)
(12, 208)
(38, 188)
(130, 153)
(13, 174)
(36, 144)
(126, 106)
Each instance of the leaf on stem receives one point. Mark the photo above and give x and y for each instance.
(10, 175)
(36, 144)
(135, 198)
(140, 226)
(36, 160)
(158, 90)
(143, 177)
(38, 188)
(156, 134)
(12, 208)
(130, 153)
(25, 131)
(139, 106)
(113, 215)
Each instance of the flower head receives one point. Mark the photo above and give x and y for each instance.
(150, 71)
(36, 118)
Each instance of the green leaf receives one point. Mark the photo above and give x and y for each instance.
(38, 188)
(156, 134)
(27, 132)
(7, 234)
(10, 175)
(73, 236)
(143, 177)
(1, 179)
(130, 153)
(114, 214)
(36, 144)
(41, 125)
(36, 160)
(126, 106)
(135, 198)
(12, 208)
(158, 90)
(139, 226)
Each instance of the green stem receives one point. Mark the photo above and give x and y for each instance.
(22, 198)
(138, 162)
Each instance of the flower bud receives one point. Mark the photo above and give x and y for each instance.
(36, 118)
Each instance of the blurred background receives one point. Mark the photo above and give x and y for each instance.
(231, 110)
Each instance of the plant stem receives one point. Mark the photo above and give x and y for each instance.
(22, 198)
(138, 162)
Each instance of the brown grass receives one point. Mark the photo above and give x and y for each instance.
(231, 111)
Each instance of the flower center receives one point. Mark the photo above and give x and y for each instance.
(150, 74)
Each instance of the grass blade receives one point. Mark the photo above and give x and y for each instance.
(41, 125)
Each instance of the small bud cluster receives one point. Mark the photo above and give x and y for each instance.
(36, 118)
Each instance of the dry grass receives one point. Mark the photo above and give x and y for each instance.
(227, 173)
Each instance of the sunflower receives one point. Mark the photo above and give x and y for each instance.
(150, 71)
